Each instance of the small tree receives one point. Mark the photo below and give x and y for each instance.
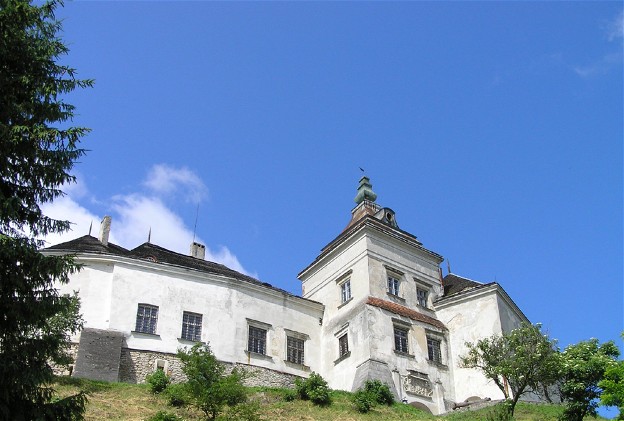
(583, 367)
(208, 387)
(612, 386)
(524, 359)
(38, 149)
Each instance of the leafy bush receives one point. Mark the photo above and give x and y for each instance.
(501, 412)
(208, 388)
(380, 391)
(164, 416)
(363, 401)
(372, 393)
(314, 388)
(158, 381)
(177, 395)
(289, 395)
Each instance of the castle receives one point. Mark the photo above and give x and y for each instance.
(374, 305)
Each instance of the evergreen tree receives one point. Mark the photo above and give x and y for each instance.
(38, 148)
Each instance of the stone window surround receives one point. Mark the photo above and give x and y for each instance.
(440, 339)
(190, 321)
(407, 327)
(344, 284)
(143, 324)
(343, 332)
(266, 327)
(299, 336)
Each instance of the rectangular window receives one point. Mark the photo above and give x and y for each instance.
(434, 350)
(345, 291)
(257, 340)
(400, 340)
(294, 350)
(191, 326)
(147, 316)
(343, 345)
(421, 294)
(393, 285)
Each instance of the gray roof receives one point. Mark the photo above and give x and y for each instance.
(454, 284)
(157, 254)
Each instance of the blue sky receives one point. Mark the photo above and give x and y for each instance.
(493, 129)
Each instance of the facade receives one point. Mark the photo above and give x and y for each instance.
(374, 305)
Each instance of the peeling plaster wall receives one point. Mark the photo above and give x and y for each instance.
(110, 299)
(469, 320)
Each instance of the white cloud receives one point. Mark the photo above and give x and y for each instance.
(600, 67)
(163, 179)
(135, 214)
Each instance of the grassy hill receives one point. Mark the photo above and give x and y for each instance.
(131, 402)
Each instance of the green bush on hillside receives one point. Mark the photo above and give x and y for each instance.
(314, 388)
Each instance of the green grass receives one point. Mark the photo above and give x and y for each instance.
(132, 402)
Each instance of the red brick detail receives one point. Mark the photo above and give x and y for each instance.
(404, 311)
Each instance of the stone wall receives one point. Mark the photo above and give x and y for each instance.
(66, 370)
(136, 365)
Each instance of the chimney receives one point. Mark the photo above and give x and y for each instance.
(105, 230)
(198, 251)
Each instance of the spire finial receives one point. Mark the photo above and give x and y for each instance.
(149, 235)
(90, 227)
(448, 265)
(365, 191)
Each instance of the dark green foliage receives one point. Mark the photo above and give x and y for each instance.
(208, 387)
(500, 412)
(525, 357)
(612, 386)
(164, 416)
(583, 366)
(314, 388)
(374, 392)
(380, 391)
(363, 401)
(177, 395)
(157, 381)
(38, 150)
(290, 395)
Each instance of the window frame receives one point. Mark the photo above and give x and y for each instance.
(401, 339)
(187, 325)
(420, 290)
(343, 345)
(292, 349)
(434, 350)
(394, 285)
(345, 291)
(146, 323)
(253, 341)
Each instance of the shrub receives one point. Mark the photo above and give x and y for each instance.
(380, 392)
(164, 416)
(314, 388)
(177, 395)
(363, 401)
(372, 393)
(158, 381)
(289, 395)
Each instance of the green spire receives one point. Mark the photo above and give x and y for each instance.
(365, 191)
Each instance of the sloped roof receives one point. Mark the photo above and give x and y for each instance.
(89, 244)
(454, 284)
(157, 254)
(404, 311)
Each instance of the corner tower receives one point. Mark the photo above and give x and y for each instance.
(378, 284)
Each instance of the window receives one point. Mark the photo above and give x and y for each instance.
(345, 291)
(343, 345)
(191, 326)
(147, 316)
(257, 340)
(421, 295)
(400, 340)
(434, 350)
(294, 350)
(393, 285)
